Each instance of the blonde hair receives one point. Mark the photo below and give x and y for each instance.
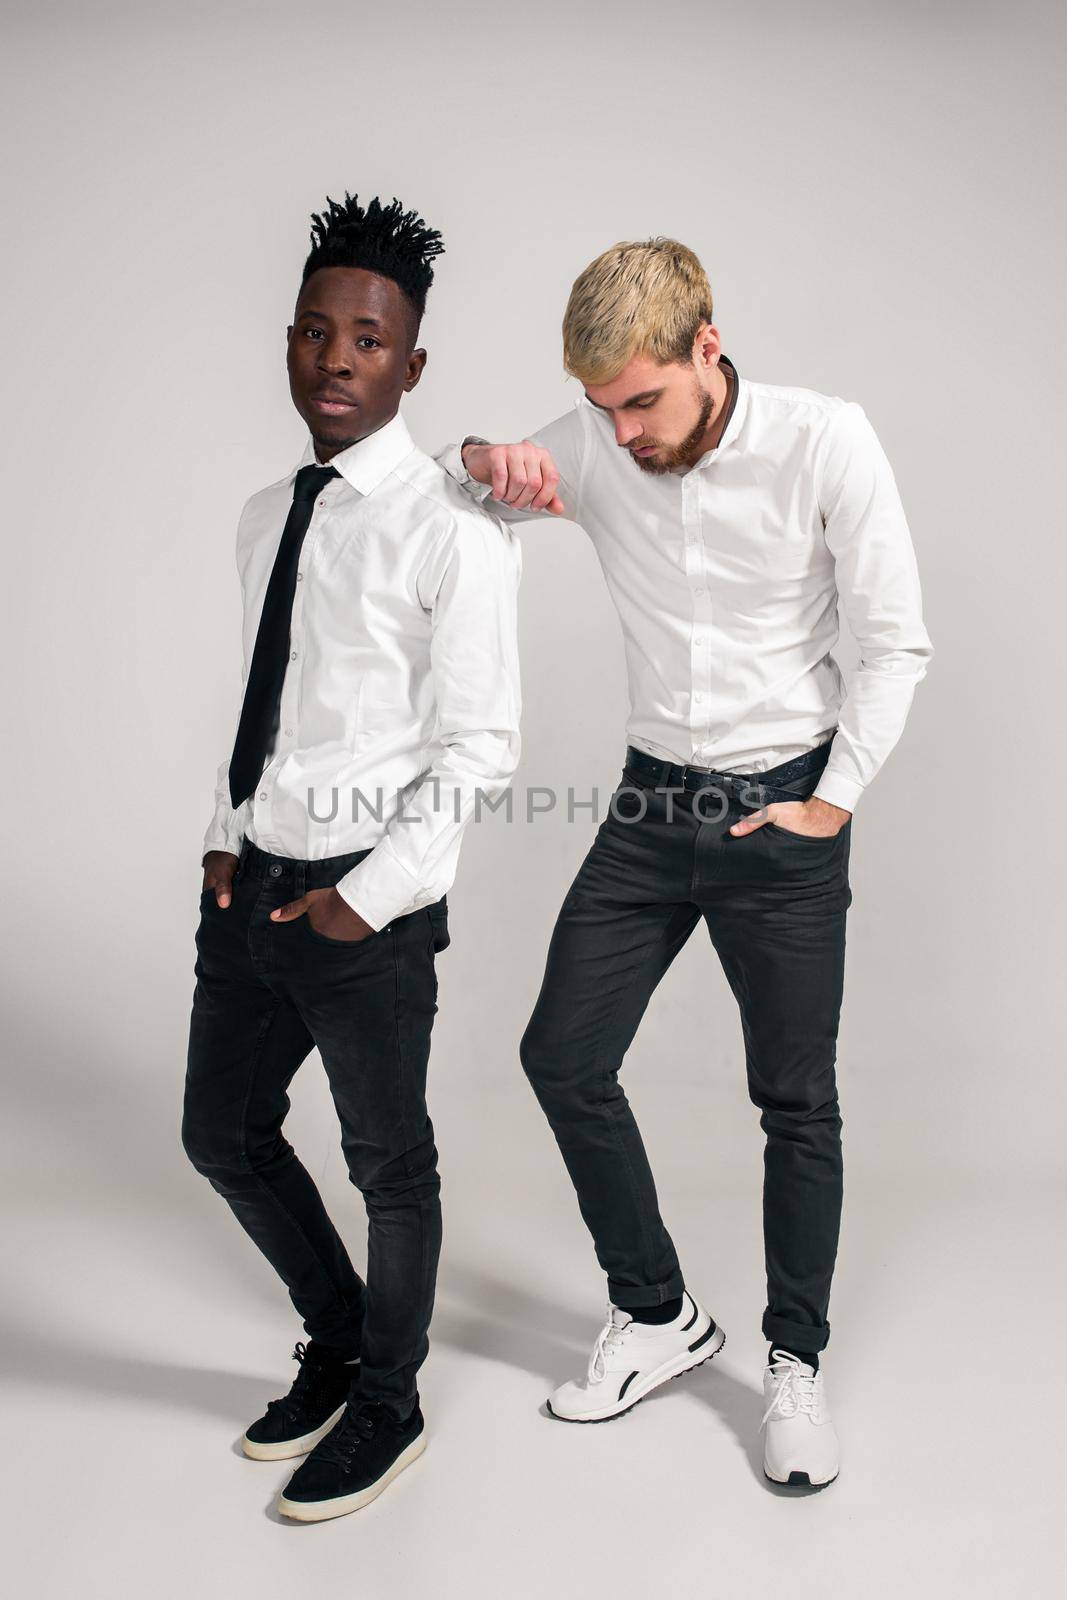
(641, 297)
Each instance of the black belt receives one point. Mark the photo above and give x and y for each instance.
(754, 788)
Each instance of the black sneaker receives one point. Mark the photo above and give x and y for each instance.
(354, 1463)
(294, 1424)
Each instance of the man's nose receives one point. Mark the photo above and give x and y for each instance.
(626, 431)
(334, 358)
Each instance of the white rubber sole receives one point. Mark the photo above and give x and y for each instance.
(644, 1385)
(285, 1449)
(799, 1480)
(342, 1504)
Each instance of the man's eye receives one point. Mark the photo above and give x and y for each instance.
(368, 339)
(311, 331)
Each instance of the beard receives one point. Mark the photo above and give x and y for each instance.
(683, 454)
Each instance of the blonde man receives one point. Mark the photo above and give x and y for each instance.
(732, 519)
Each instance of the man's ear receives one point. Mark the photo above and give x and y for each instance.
(416, 363)
(706, 346)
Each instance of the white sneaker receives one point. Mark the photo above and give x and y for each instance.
(799, 1441)
(630, 1359)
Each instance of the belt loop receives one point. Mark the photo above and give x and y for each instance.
(748, 789)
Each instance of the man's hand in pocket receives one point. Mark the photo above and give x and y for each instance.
(219, 868)
(816, 819)
(329, 914)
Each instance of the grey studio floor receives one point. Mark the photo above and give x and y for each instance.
(142, 1332)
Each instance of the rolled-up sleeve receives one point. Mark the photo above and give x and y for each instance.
(470, 587)
(878, 585)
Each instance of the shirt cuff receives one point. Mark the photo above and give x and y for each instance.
(221, 839)
(837, 790)
(379, 888)
(451, 459)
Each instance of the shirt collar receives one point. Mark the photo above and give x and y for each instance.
(735, 411)
(365, 463)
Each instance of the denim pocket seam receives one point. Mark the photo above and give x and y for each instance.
(341, 944)
(806, 838)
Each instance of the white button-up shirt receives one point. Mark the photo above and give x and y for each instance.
(728, 578)
(403, 665)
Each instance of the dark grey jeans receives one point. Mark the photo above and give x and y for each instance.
(774, 903)
(266, 994)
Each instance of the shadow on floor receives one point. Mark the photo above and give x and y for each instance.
(79, 1367)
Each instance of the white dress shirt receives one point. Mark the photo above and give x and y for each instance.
(728, 577)
(403, 664)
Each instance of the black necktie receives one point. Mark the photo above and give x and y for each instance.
(263, 691)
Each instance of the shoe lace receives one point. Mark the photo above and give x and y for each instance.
(309, 1386)
(796, 1388)
(360, 1421)
(608, 1340)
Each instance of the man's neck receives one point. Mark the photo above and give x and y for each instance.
(718, 416)
(724, 382)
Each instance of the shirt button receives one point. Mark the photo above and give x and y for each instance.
(263, 793)
(299, 577)
(292, 655)
(288, 733)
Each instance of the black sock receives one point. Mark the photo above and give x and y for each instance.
(655, 1314)
(810, 1356)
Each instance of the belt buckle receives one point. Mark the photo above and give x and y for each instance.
(704, 772)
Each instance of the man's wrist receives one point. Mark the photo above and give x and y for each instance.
(471, 438)
(839, 813)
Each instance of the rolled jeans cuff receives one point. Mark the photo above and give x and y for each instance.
(654, 1294)
(799, 1337)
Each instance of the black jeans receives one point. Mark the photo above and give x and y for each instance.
(266, 994)
(774, 903)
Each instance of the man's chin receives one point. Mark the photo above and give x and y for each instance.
(655, 465)
(335, 437)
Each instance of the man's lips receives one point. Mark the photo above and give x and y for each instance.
(332, 404)
(646, 450)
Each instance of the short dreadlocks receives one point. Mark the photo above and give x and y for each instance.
(387, 240)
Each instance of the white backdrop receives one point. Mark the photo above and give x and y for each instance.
(874, 191)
